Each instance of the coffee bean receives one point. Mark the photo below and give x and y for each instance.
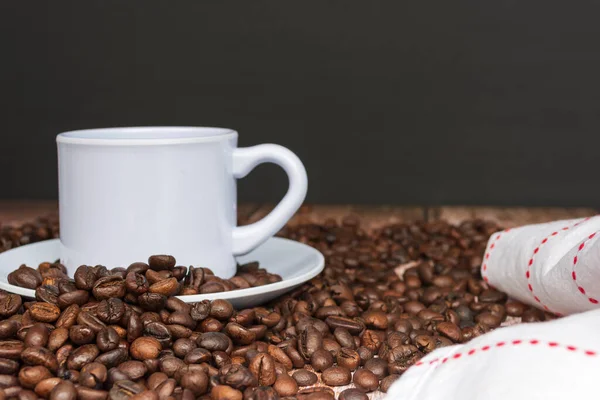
(348, 358)
(353, 394)
(63, 391)
(285, 386)
(492, 296)
(90, 394)
(152, 301)
(310, 340)
(39, 356)
(93, 375)
(109, 286)
(8, 366)
(221, 310)
(488, 319)
(531, 315)
(237, 376)
(304, 377)
(449, 330)
(336, 376)
(321, 359)
(387, 382)
(25, 277)
(365, 380)
(29, 377)
(107, 339)
(145, 348)
(37, 335)
(81, 356)
(133, 369)
(8, 328)
(124, 390)
(110, 311)
(214, 341)
(263, 368)
(515, 309)
(45, 386)
(377, 366)
(352, 326)
(57, 338)
(44, 312)
(81, 334)
(79, 297)
(222, 392)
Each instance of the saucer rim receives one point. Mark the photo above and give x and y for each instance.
(194, 298)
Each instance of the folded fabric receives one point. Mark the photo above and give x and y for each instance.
(559, 359)
(554, 266)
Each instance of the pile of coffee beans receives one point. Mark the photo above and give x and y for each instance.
(41, 229)
(385, 299)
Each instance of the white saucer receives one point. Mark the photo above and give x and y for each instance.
(295, 262)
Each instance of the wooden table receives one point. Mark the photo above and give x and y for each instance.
(14, 212)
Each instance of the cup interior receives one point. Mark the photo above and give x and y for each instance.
(141, 135)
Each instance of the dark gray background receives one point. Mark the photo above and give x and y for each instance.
(406, 102)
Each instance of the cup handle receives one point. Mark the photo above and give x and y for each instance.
(248, 237)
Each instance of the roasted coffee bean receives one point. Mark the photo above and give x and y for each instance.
(109, 286)
(285, 386)
(531, 315)
(133, 369)
(107, 339)
(449, 330)
(263, 368)
(29, 377)
(344, 338)
(8, 367)
(237, 376)
(387, 382)
(492, 296)
(353, 326)
(68, 317)
(488, 319)
(81, 334)
(39, 356)
(321, 359)
(145, 348)
(221, 310)
(348, 358)
(515, 309)
(90, 394)
(37, 335)
(88, 319)
(353, 394)
(44, 387)
(93, 375)
(25, 277)
(110, 311)
(214, 341)
(44, 312)
(336, 376)
(57, 338)
(309, 341)
(82, 355)
(304, 377)
(222, 392)
(64, 391)
(8, 328)
(377, 366)
(152, 301)
(79, 297)
(197, 382)
(161, 262)
(365, 380)
(136, 283)
(124, 390)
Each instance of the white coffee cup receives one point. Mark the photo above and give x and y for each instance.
(128, 193)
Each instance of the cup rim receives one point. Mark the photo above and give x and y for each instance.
(145, 135)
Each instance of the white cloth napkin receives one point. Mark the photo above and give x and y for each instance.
(554, 266)
(547, 360)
